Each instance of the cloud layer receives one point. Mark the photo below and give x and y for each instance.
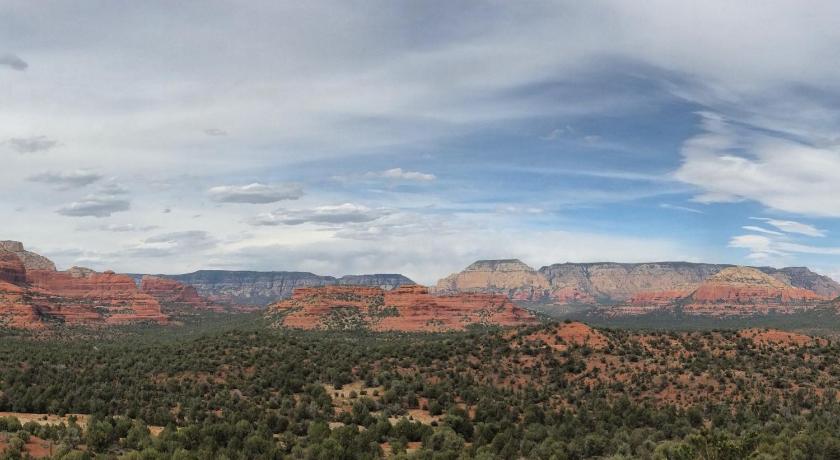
(549, 131)
(255, 193)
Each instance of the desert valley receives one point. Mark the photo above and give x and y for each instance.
(419, 230)
(495, 361)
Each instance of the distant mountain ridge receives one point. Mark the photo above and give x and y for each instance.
(605, 283)
(263, 288)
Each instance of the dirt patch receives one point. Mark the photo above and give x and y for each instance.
(46, 419)
(35, 448)
(344, 398)
(777, 337)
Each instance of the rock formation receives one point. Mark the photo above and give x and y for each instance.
(263, 288)
(804, 278)
(509, 277)
(88, 297)
(30, 260)
(745, 290)
(36, 297)
(14, 310)
(406, 308)
(598, 284)
(176, 296)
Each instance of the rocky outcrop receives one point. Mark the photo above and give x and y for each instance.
(175, 296)
(30, 260)
(12, 270)
(406, 308)
(734, 291)
(804, 278)
(745, 290)
(88, 297)
(14, 310)
(263, 288)
(36, 298)
(509, 277)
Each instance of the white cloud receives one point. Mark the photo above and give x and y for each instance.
(771, 247)
(730, 163)
(255, 193)
(321, 215)
(399, 174)
(760, 247)
(753, 228)
(789, 226)
(394, 174)
(680, 208)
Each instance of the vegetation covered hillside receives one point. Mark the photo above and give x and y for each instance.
(557, 391)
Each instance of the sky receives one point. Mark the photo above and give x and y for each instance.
(345, 137)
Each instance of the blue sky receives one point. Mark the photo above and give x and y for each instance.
(351, 137)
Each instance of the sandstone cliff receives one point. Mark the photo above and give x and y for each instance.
(30, 260)
(36, 297)
(406, 308)
(745, 290)
(176, 297)
(509, 277)
(658, 283)
(804, 278)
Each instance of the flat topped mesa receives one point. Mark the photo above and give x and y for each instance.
(499, 265)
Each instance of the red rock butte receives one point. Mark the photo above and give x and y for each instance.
(407, 308)
(33, 298)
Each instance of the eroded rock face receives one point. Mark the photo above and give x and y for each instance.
(804, 278)
(35, 298)
(745, 290)
(607, 283)
(87, 297)
(30, 260)
(509, 277)
(172, 294)
(406, 308)
(14, 310)
(734, 291)
(12, 269)
(599, 284)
